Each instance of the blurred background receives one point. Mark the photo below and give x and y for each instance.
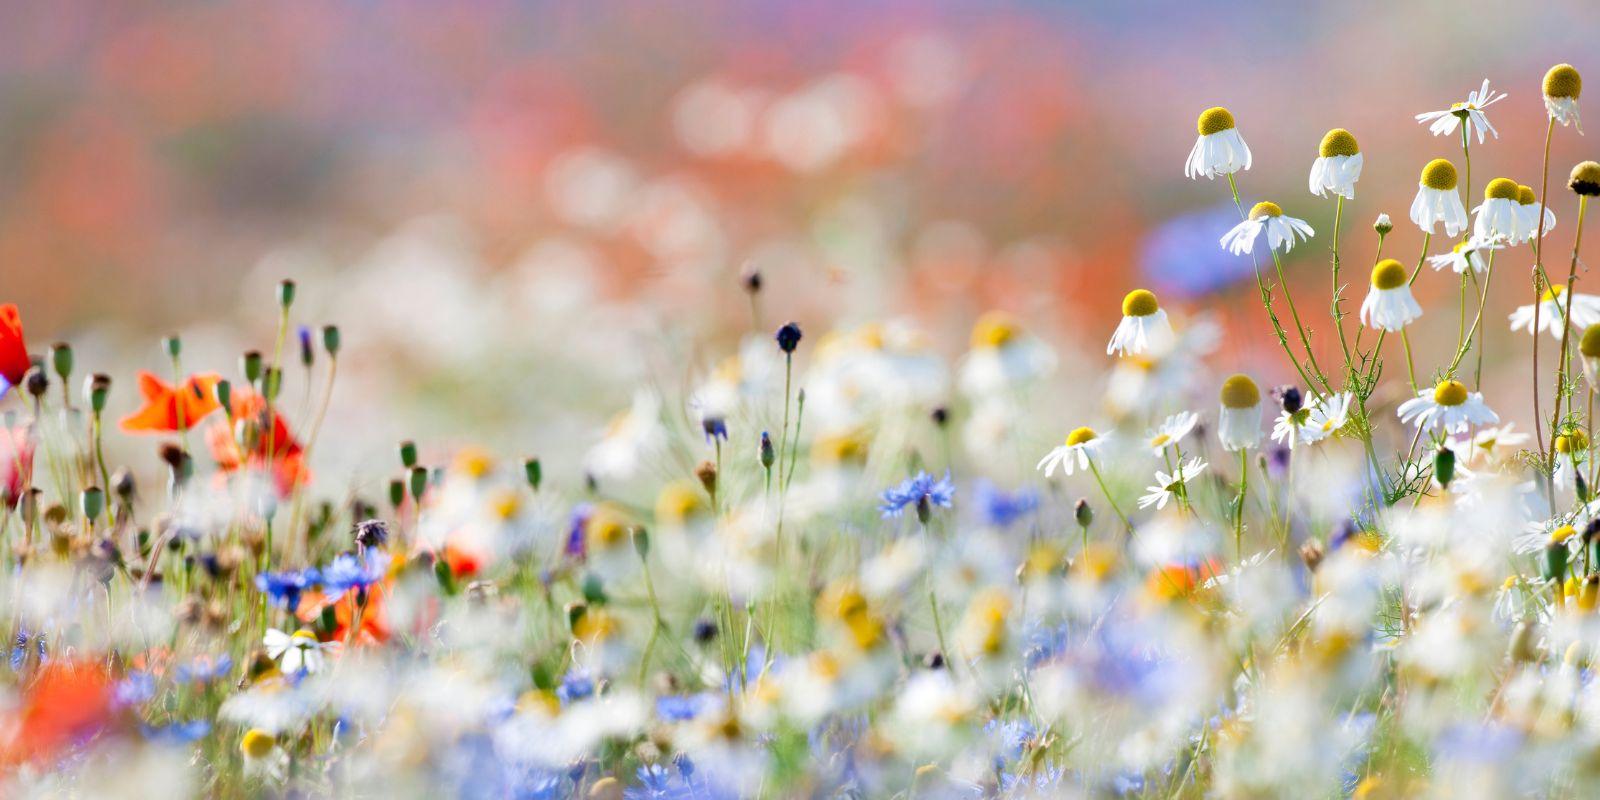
(517, 211)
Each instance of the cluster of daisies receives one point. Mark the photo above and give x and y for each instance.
(835, 565)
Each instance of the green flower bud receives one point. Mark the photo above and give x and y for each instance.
(286, 293)
(534, 473)
(330, 339)
(408, 454)
(92, 501)
(252, 364)
(61, 359)
(419, 482)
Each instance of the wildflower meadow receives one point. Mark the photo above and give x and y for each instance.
(847, 555)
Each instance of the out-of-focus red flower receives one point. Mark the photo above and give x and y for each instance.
(255, 442)
(374, 625)
(14, 361)
(67, 702)
(168, 409)
(1173, 581)
(464, 562)
(16, 464)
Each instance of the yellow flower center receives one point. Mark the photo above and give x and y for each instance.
(1338, 142)
(1080, 435)
(256, 743)
(1439, 174)
(1585, 178)
(1450, 393)
(1572, 442)
(678, 502)
(1557, 536)
(840, 448)
(473, 462)
(1238, 391)
(606, 529)
(1140, 303)
(1389, 274)
(1555, 291)
(1160, 440)
(1265, 209)
(1214, 120)
(1525, 196)
(1500, 189)
(303, 635)
(994, 329)
(1563, 80)
(1589, 345)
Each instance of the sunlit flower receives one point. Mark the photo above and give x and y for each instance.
(1467, 254)
(1282, 231)
(296, 652)
(1589, 351)
(1239, 422)
(1074, 454)
(1337, 166)
(1553, 308)
(1002, 357)
(14, 361)
(1390, 305)
(1468, 112)
(1219, 150)
(921, 492)
(262, 756)
(1144, 326)
(1491, 442)
(1531, 207)
(1171, 431)
(1500, 216)
(1562, 85)
(1437, 199)
(168, 408)
(1448, 407)
(1168, 486)
(1325, 417)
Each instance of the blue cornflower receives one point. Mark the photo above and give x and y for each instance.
(576, 685)
(715, 428)
(681, 707)
(788, 337)
(177, 732)
(1001, 509)
(348, 571)
(575, 538)
(133, 690)
(921, 491)
(307, 352)
(204, 669)
(19, 651)
(284, 588)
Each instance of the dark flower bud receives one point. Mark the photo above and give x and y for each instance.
(122, 484)
(91, 502)
(768, 454)
(934, 660)
(715, 428)
(61, 359)
(397, 492)
(1289, 398)
(408, 454)
(534, 472)
(1444, 466)
(1082, 512)
(751, 280)
(172, 345)
(272, 383)
(707, 473)
(419, 482)
(285, 293)
(941, 416)
(441, 573)
(1555, 562)
(96, 388)
(788, 337)
(252, 363)
(307, 353)
(36, 382)
(371, 533)
(641, 542)
(224, 392)
(330, 339)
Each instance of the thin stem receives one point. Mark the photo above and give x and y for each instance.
(1538, 293)
(1098, 479)
(1266, 296)
(1244, 491)
(1338, 316)
(1566, 326)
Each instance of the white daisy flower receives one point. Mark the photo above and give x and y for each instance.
(1239, 422)
(1144, 325)
(1585, 311)
(1074, 454)
(1530, 212)
(1220, 150)
(1489, 442)
(1437, 200)
(1448, 407)
(294, 653)
(1326, 417)
(1338, 165)
(1390, 305)
(1466, 255)
(1286, 428)
(1562, 85)
(1500, 215)
(1003, 357)
(263, 758)
(1281, 230)
(1572, 449)
(1589, 351)
(1169, 486)
(1468, 112)
(1540, 535)
(1171, 431)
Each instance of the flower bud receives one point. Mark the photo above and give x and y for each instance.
(96, 388)
(767, 453)
(286, 289)
(788, 337)
(1555, 561)
(330, 339)
(61, 359)
(1289, 398)
(419, 482)
(1444, 467)
(534, 472)
(397, 492)
(36, 382)
(1383, 225)
(1082, 512)
(408, 454)
(252, 364)
(224, 393)
(307, 353)
(707, 473)
(172, 345)
(272, 383)
(91, 502)
(751, 280)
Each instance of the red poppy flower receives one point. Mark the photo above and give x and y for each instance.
(14, 361)
(374, 625)
(168, 409)
(265, 446)
(68, 702)
(16, 464)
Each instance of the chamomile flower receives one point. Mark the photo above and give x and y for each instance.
(1585, 179)
(1219, 150)
(1553, 307)
(1562, 85)
(1531, 207)
(1488, 443)
(1291, 419)
(1572, 452)
(1468, 112)
(1239, 422)
(1437, 200)
(1500, 216)
(296, 652)
(1448, 407)
(1074, 454)
(1589, 350)
(1328, 415)
(263, 757)
(1282, 231)
(1144, 326)
(1539, 535)
(1468, 254)
(1003, 357)
(1337, 166)
(1389, 305)
(1169, 486)
(1171, 431)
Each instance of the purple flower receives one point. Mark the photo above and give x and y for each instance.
(920, 491)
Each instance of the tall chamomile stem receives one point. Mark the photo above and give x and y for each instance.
(1538, 290)
(1266, 295)
(1566, 317)
(1244, 492)
(1100, 480)
(1338, 316)
(1305, 339)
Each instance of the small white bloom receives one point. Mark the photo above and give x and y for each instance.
(1466, 255)
(1144, 326)
(1239, 422)
(1489, 442)
(1171, 431)
(1337, 166)
(1390, 305)
(1530, 205)
(1448, 407)
(1002, 357)
(1468, 112)
(1282, 231)
(1553, 307)
(1074, 454)
(1328, 415)
(1562, 85)
(297, 652)
(1168, 486)
(1437, 200)
(1219, 150)
(1500, 216)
